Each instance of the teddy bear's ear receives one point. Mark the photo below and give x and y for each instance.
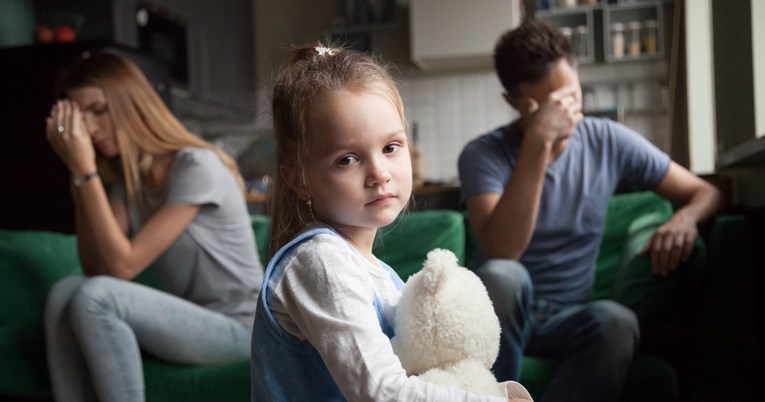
(437, 263)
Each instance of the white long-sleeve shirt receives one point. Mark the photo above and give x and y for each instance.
(326, 296)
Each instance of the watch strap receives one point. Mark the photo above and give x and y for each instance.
(80, 180)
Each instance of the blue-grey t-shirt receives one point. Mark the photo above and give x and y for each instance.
(600, 156)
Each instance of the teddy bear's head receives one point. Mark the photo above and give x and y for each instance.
(444, 316)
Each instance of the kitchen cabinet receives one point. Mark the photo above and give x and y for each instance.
(458, 34)
(217, 97)
(578, 24)
(609, 31)
(627, 78)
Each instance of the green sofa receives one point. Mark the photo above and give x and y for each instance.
(32, 261)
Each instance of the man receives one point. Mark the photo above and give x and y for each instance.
(537, 191)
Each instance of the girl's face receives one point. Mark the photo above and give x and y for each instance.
(359, 173)
(98, 121)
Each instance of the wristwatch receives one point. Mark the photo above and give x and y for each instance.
(80, 180)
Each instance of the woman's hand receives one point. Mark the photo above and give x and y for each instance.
(67, 134)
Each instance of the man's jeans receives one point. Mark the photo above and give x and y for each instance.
(94, 327)
(593, 342)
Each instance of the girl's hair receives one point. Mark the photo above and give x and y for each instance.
(143, 125)
(310, 72)
(527, 53)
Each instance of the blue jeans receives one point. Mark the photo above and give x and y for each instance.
(594, 342)
(96, 327)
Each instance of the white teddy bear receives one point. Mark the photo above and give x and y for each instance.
(446, 329)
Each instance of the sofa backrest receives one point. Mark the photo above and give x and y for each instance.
(403, 244)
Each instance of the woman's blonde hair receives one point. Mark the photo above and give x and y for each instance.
(143, 125)
(310, 72)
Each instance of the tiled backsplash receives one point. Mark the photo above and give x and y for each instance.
(452, 109)
(449, 111)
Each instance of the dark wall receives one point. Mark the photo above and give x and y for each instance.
(34, 183)
(733, 71)
(92, 19)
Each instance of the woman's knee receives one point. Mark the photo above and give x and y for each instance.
(94, 297)
(60, 296)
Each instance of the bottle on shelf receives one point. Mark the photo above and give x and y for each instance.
(617, 40)
(579, 42)
(567, 33)
(632, 38)
(649, 37)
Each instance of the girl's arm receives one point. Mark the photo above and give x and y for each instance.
(329, 298)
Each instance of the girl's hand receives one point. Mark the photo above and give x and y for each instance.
(67, 134)
(516, 392)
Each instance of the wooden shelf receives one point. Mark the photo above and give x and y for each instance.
(747, 154)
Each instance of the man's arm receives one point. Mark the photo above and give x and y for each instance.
(504, 224)
(672, 243)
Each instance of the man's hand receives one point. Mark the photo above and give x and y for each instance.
(556, 117)
(672, 244)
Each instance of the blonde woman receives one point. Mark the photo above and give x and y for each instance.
(148, 194)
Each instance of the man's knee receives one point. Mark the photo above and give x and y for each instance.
(617, 324)
(508, 274)
(507, 282)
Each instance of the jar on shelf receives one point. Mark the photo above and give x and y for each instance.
(650, 37)
(566, 3)
(632, 38)
(617, 40)
(579, 41)
(567, 33)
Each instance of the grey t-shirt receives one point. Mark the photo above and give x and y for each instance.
(214, 262)
(599, 157)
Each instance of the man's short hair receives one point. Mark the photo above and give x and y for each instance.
(527, 53)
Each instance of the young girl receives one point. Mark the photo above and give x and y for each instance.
(323, 324)
(146, 192)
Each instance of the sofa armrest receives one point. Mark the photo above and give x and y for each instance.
(637, 287)
(30, 263)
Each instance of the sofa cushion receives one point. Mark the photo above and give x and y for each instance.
(167, 382)
(623, 209)
(30, 263)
